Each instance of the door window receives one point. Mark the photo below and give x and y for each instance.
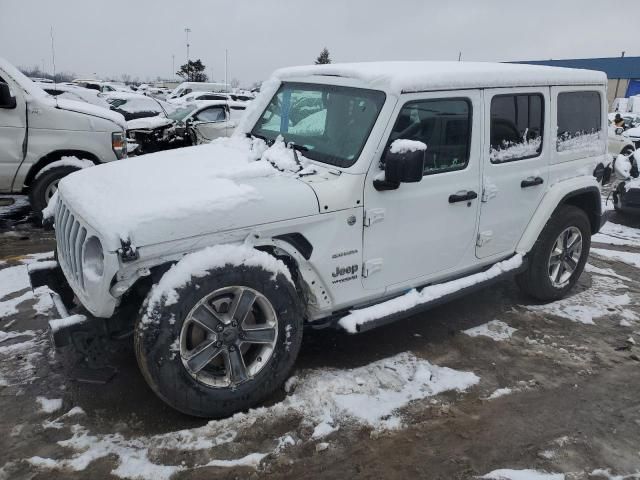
(443, 125)
(580, 123)
(213, 114)
(516, 127)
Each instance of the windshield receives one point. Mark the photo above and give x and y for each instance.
(181, 113)
(332, 123)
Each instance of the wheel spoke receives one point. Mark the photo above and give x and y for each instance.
(259, 335)
(573, 242)
(236, 369)
(206, 317)
(570, 264)
(203, 356)
(242, 305)
(560, 272)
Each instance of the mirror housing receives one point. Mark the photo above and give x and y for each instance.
(404, 166)
(6, 99)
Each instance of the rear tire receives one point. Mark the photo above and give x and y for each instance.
(169, 341)
(45, 185)
(546, 279)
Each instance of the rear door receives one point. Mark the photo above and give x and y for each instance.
(12, 135)
(515, 165)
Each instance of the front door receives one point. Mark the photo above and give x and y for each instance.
(421, 230)
(12, 133)
(211, 123)
(515, 173)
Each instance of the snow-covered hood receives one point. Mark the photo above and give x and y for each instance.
(148, 123)
(228, 184)
(93, 110)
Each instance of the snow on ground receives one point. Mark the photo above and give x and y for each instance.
(606, 297)
(629, 258)
(18, 356)
(609, 272)
(325, 399)
(14, 280)
(508, 474)
(600, 473)
(495, 330)
(614, 234)
(20, 202)
(49, 405)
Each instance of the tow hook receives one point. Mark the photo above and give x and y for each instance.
(127, 252)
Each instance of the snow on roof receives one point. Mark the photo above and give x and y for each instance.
(403, 77)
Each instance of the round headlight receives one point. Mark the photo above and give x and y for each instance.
(93, 258)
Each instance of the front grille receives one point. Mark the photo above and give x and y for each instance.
(70, 235)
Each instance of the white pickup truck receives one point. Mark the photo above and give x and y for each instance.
(43, 139)
(350, 196)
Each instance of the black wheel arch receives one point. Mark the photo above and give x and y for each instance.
(588, 200)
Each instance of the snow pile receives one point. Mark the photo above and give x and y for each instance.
(585, 144)
(283, 158)
(528, 474)
(601, 300)
(327, 398)
(622, 167)
(605, 474)
(74, 162)
(615, 234)
(413, 298)
(49, 405)
(406, 146)
(630, 258)
(511, 150)
(495, 330)
(199, 263)
(632, 184)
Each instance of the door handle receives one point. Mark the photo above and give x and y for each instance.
(531, 182)
(462, 196)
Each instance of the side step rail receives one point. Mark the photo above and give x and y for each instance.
(414, 301)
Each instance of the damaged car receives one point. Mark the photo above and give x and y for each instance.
(190, 124)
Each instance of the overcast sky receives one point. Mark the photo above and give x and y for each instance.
(139, 37)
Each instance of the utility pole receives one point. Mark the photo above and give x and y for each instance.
(173, 67)
(187, 30)
(226, 67)
(43, 66)
(459, 56)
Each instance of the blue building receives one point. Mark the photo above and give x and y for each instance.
(623, 72)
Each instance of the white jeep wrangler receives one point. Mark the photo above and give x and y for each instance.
(350, 196)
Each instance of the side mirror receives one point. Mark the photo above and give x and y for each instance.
(6, 99)
(403, 163)
(619, 130)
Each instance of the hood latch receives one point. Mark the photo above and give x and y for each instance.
(127, 252)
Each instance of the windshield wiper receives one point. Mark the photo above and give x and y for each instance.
(300, 148)
(261, 137)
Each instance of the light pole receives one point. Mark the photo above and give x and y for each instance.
(173, 67)
(187, 30)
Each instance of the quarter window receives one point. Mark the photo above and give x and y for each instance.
(516, 127)
(580, 123)
(443, 125)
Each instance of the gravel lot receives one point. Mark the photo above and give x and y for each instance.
(559, 394)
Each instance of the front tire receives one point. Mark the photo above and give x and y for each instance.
(558, 256)
(45, 185)
(228, 342)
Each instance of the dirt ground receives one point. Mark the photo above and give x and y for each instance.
(573, 404)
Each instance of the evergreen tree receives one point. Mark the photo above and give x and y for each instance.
(193, 71)
(323, 58)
